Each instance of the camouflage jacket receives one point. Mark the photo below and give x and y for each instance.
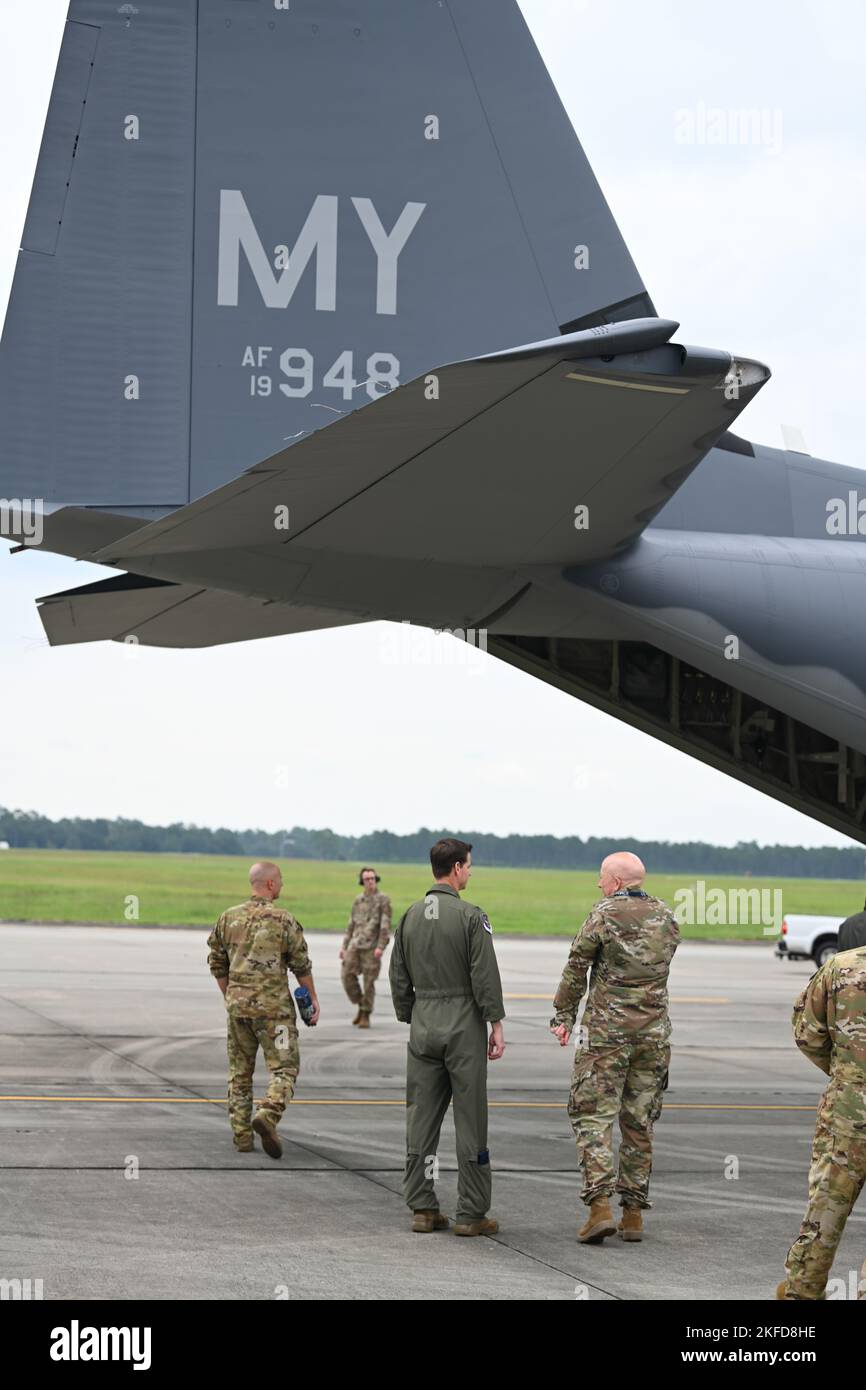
(830, 1028)
(629, 940)
(370, 922)
(254, 944)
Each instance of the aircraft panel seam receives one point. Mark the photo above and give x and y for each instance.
(256, 480)
(97, 28)
(192, 260)
(502, 166)
(493, 405)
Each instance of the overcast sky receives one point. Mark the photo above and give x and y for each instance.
(754, 248)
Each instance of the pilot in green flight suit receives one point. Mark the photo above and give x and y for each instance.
(445, 983)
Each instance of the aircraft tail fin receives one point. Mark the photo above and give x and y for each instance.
(249, 219)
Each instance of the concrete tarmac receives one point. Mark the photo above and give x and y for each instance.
(118, 1178)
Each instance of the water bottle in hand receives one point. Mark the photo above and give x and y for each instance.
(306, 1007)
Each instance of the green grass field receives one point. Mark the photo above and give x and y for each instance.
(173, 890)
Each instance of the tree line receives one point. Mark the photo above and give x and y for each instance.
(29, 830)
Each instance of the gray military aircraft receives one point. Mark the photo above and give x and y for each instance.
(320, 317)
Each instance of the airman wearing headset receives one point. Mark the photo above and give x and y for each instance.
(367, 935)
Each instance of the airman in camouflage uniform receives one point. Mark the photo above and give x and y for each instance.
(250, 949)
(830, 1028)
(621, 1069)
(367, 936)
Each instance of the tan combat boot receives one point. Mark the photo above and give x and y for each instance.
(631, 1225)
(357, 1018)
(428, 1220)
(599, 1223)
(485, 1226)
(245, 1144)
(363, 1020)
(269, 1137)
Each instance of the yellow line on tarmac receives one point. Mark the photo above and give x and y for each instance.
(683, 1105)
(129, 1100)
(698, 999)
(494, 1104)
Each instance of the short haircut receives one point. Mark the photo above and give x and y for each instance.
(262, 871)
(446, 853)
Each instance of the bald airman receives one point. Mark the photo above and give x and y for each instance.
(621, 1067)
(250, 949)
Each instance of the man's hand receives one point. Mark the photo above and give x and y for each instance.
(496, 1042)
(378, 953)
(306, 982)
(223, 982)
(342, 953)
(562, 1032)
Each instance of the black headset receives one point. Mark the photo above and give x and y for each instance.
(366, 870)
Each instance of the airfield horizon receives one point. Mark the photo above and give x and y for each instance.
(191, 890)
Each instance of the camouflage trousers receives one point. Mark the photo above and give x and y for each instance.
(836, 1178)
(361, 960)
(278, 1039)
(625, 1081)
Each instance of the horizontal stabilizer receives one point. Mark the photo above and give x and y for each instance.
(73, 531)
(155, 614)
(557, 453)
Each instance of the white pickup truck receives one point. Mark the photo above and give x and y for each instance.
(805, 938)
